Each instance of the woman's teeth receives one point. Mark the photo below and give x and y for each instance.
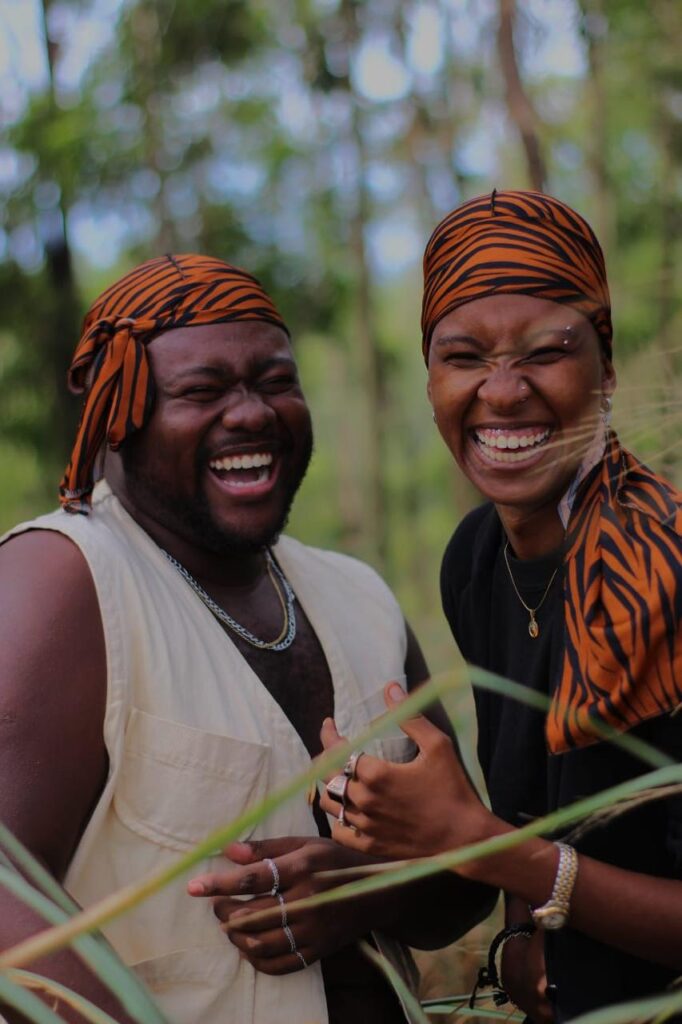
(510, 445)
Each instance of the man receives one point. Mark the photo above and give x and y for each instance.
(166, 661)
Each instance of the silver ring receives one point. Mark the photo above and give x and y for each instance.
(336, 788)
(282, 909)
(275, 875)
(342, 815)
(351, 765)
(300, 956)
(290, 935)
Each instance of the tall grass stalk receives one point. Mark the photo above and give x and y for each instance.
(112, 906)
(74, 928)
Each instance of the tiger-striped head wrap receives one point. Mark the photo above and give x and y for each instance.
(111, 356)
(515, 243)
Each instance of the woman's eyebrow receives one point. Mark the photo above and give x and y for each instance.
(567, 330)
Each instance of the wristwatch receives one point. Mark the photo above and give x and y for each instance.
(554, 913)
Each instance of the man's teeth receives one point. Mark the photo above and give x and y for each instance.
(510, 446)
(242, 461)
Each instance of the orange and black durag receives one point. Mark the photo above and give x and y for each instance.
(515, 243)
(111, 356)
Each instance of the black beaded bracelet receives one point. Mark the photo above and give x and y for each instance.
(488, 975)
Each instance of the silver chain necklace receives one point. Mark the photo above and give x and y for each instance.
(288, 632)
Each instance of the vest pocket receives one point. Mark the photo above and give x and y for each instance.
(199, 984)
(178, 784)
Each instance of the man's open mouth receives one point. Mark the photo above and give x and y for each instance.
(243, 470)
(510, 444)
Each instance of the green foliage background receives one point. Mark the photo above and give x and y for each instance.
(249, 131)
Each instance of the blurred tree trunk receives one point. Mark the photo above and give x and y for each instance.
(519, 106)
(146, 32)
(595, 28)
(365, 341)
(61, 322)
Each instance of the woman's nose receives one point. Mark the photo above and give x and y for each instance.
(245, 410)
(504, 389)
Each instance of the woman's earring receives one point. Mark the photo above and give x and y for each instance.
(606, 408)
(433, 416)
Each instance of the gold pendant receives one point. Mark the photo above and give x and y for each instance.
(533, 628)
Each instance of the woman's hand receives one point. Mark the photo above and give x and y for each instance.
(524, 977)
(401, 811)
(316, 931)
(523, 973)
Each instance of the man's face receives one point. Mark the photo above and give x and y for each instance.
(229, 439)
(516, 384)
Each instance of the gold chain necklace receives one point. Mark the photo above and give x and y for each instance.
(533, 627)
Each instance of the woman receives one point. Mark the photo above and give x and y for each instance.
(567, 580)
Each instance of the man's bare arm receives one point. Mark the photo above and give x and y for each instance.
(53, 761)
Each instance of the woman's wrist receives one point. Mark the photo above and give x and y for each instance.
(485, 826)
(526, 869)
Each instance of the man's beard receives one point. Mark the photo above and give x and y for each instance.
(191, 518)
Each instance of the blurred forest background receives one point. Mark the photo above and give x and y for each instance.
(317, 143)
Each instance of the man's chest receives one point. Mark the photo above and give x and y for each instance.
(298, 679)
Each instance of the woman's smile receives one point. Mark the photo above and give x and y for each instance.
(509, 446)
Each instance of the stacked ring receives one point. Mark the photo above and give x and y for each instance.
(337, 786)
(275, 875)
(351, 765)
(275, 891)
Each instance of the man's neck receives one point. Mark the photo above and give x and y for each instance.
(238, 570)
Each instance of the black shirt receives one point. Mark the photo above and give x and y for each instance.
(490, 626)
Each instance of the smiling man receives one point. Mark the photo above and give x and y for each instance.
(167, 659)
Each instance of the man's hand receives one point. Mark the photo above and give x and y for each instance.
(317, 931)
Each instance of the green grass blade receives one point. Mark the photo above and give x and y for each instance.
(112, 906)
(482, 1011)
(386, 876)
(639, 1009)
(459, 1005)
(409, 1001)
(93, 950)
(35, 871)
(33, 1008)
(88, 1010)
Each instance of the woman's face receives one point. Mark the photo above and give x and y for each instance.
(516, 384)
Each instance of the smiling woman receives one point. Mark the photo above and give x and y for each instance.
(516, 384)
(567, 580)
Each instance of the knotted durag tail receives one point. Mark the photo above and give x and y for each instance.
(110, 363)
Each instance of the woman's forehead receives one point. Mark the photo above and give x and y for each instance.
(510, 312)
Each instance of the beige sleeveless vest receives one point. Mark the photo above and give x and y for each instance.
(194, 738)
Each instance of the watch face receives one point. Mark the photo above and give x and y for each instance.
(550, 917)
(554, 920)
